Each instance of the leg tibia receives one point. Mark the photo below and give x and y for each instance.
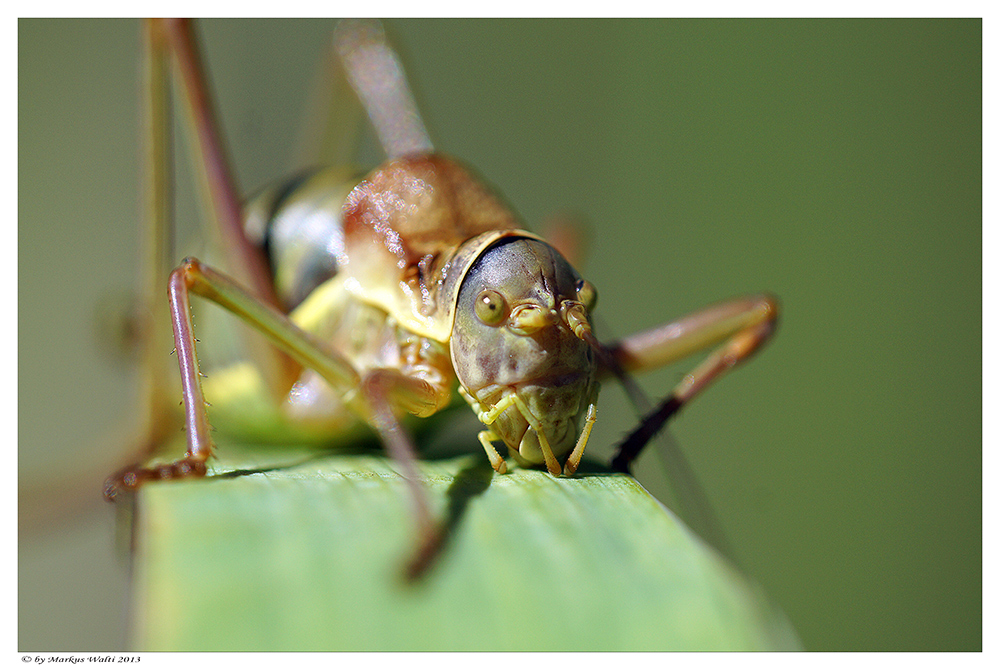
(742, 326)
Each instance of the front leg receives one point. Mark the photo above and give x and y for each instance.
(376, 395)
(742, 325)
(194, 277)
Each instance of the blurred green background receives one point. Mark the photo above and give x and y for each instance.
(836, 163)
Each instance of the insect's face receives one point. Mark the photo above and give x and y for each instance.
(520, 324)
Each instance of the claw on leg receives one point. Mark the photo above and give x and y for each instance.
(131, 478)
(486, 438)
(573, 462)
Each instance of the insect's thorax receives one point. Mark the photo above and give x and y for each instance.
(367, 336)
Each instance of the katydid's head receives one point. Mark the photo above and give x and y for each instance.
(522, 347)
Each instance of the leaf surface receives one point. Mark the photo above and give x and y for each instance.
(310, 557)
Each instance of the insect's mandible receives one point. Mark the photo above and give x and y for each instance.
(383, 291)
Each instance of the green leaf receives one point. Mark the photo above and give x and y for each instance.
(311, 556)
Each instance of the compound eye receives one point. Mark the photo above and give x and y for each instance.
(586, 293)
(491, 308)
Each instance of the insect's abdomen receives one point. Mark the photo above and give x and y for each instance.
(298, 223)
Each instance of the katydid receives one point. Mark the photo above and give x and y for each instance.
(382, 293)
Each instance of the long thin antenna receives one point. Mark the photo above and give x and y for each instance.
(377, 77)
